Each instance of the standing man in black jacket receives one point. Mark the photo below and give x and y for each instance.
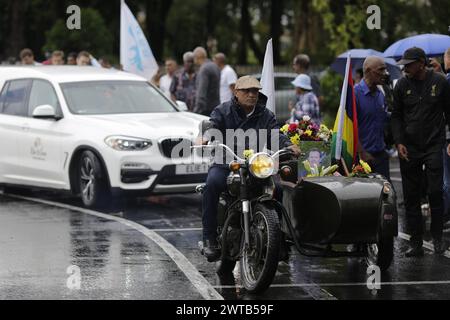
(421, 110)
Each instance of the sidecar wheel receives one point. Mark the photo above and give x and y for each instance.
(381, 253)
(260, 261)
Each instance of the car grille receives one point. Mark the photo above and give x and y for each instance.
(182, 150)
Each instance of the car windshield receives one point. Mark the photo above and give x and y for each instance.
(114, 97)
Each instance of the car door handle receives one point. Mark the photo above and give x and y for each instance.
(26, 127)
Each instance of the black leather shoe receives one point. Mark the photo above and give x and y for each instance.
(414, 251)
(439, 246)
(211, 251)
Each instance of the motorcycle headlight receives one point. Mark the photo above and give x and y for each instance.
(122, 143)
(261, 165)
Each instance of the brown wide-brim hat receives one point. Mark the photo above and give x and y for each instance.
(247, 82)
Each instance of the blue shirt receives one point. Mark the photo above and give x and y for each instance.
(372, 117)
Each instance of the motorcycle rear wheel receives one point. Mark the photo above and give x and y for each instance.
(260, 261)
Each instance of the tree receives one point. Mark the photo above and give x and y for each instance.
(343, 23)
(157, 12)
(276, 28)
(16, 39)
(94, 36)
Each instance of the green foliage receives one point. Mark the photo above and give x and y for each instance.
(331, 85)
(93, 36)
(185, 27)
(343, 32)
(321, 28)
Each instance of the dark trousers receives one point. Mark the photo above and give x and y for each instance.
(446, 183)
(216, 183)
(380, 164)
(411, 172)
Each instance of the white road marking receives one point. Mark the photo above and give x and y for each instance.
(396, 179)
(206, 290)
(177, 230)
(348, 284)
(394, 170)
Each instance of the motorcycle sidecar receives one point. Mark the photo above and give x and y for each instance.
(340, 210)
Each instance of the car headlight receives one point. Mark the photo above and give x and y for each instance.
(122, 143)
(261, 165)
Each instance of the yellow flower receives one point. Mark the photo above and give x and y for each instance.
(324, 127)
(284, 128)
(308, 132)
(365, 166)
(248, 153)
(307, 166)
(295, 139)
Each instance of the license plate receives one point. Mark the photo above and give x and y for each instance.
(191, 168)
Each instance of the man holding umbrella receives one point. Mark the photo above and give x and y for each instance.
(418, 123)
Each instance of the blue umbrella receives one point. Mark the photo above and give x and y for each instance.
(432, 44)
(358, 56)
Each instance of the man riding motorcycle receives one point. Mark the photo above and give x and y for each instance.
(246, 110)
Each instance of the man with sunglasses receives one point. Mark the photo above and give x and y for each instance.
(247, 111)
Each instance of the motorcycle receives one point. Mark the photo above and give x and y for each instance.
(320, 217)
(248, 220)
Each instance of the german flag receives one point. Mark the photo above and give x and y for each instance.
(345, 138)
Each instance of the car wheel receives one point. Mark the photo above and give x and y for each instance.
(92, 181)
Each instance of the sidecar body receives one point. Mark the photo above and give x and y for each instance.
(339, 210)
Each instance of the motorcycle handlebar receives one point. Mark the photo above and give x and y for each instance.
(228, 149)
(215, 145)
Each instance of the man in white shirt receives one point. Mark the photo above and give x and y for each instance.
(228, 78)
(166, 80)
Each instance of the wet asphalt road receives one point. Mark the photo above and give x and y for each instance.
(148, 250)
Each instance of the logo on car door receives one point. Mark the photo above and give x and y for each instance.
(38, 151)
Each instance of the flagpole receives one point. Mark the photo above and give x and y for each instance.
(338, 150)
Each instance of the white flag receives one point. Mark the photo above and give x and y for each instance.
(135, 53)
(341, 111)
(267, 78)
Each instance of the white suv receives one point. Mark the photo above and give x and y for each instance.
(95, 132)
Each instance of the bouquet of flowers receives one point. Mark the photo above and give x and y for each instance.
(361, 170)
(306, 130)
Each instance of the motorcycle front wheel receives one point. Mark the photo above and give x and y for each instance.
(259, 261)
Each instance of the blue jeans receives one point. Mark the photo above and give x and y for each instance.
(216, 183)
(446, 188)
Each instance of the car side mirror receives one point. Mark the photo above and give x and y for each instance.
(182, 106)
(44, 111)
(205, 125)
